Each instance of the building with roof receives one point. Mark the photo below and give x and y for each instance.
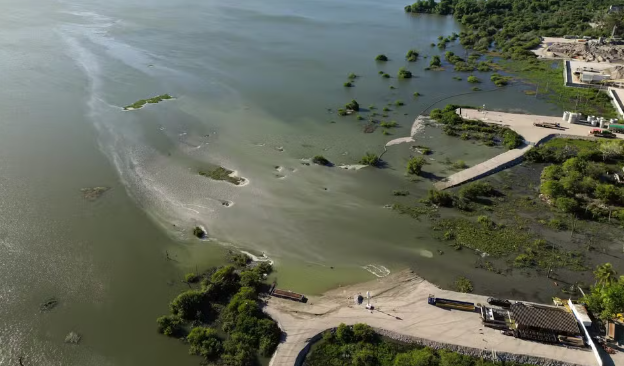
(543, 323)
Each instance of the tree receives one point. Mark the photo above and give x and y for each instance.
(473, 79)
(418, 357)
(404, 73)
(344, 333)
(411, 56)
(435, 62)
(381, 57)
(204, 342)
(320, 160)
(511, 139)
(365, 357)
(415, 164)
(551, 172)
(605, 274)
(565, 204)
(353, 105)
(169, 325)
(370, 159)
(608, 193)
(363, 333)
(552, 189)
(187, 304)
(440, 198)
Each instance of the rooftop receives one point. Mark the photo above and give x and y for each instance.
(545, 318)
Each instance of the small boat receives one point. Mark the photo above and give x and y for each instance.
(499, 302)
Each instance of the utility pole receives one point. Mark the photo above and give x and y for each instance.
(613, 32)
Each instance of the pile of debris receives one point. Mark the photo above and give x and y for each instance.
(587, 51)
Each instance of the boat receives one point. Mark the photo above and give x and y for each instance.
(450, 304)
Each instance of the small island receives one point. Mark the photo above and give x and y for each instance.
(221, 173)
(140, 103)
(93, 193)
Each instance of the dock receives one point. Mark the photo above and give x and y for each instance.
(286, 294)
(522, 124)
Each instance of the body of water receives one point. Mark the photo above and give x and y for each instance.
(256, 86)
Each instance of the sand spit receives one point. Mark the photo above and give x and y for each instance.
(417, 127)
(402, 312)
(352, 166)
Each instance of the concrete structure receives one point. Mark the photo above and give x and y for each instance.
(573, 70)
(617, 96)
(522, 124)
(401, 307)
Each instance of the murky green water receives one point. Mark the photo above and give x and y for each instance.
(253, 82)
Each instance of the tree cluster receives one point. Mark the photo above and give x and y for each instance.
(228, 299)
(489, 134)
(606, 298)
(359, 345)
(515, 26)
(579, 182)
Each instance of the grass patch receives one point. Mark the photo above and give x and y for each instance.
(548, 81)
(140, 103)
(221, 173)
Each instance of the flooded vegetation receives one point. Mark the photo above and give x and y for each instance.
(140, 103)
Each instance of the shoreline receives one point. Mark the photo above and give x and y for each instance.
(401, 309)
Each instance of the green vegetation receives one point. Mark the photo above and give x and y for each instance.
(606, 298)
(399, 103)
(500, 80)
(415, 164)
(220, 173)
(578, 181)
(435, 62)
(411, 56)
(139, 104)
(381, 58)
(390, 124)
(359, 345)
(454, 125)
(386, 109)
(417, 94)
(404, 74)
(359, 118)
(392, 87)
(400, 193)
(321, 160)
(457, 78)
(475, 88)
(548, 80)
(385, 76)
(462, 284)
(371, 159)
(348, 84)
(460, 164)
(423, 149)
(342, 112)
(227, 300)
(514, 27)
(353, 106)
(386, 133)
(473, 79)
(191, 278)
(352, 76)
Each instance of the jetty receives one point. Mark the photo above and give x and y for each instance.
(526, 125)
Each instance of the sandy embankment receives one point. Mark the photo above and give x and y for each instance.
(417, 127)
(401, 306)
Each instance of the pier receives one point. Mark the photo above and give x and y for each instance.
(522, 124)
